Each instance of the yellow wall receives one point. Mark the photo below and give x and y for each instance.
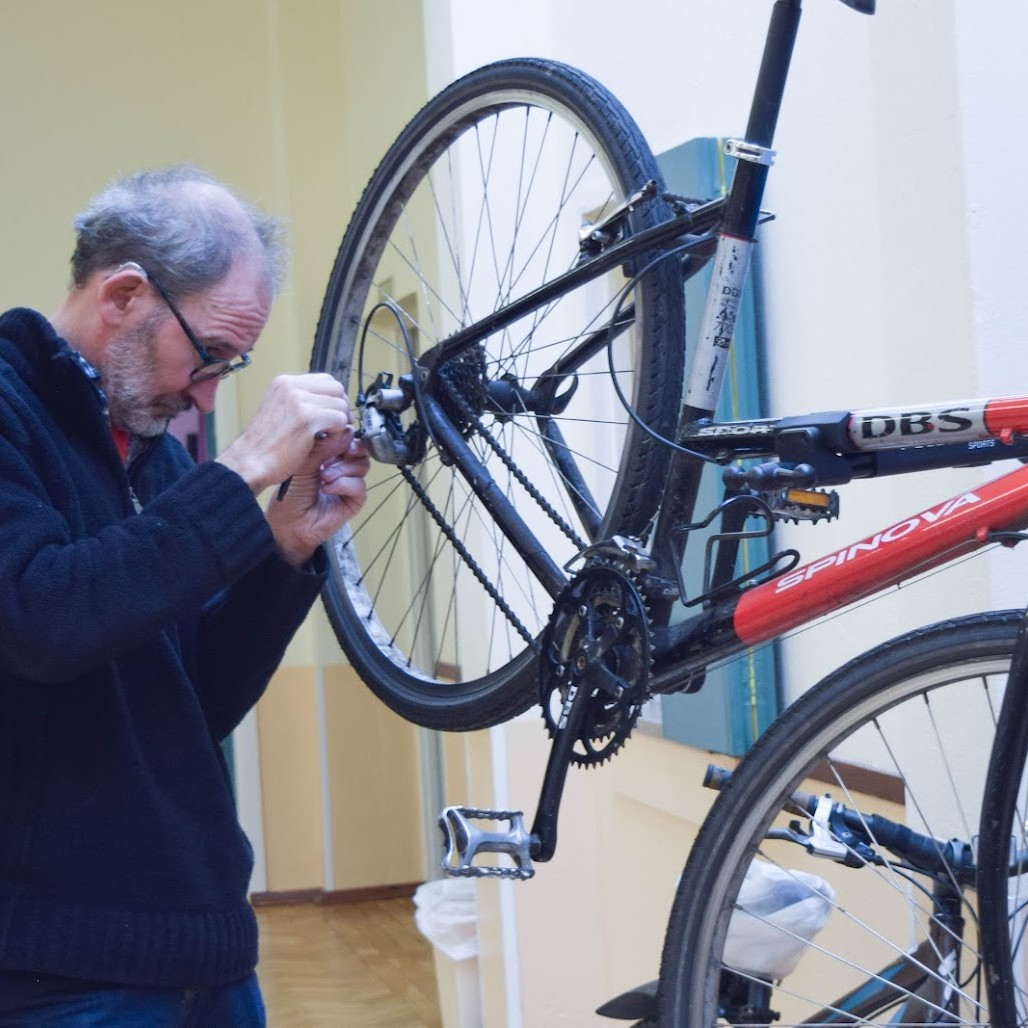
(292, 102)
(375, 802)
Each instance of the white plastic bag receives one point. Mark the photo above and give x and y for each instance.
(445, 914)
(781, 911)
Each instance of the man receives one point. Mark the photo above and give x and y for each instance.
(144, 604)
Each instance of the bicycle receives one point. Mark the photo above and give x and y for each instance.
(490, 405)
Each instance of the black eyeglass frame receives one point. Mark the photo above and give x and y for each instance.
(211, 367)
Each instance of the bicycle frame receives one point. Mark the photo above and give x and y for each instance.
(927, 539)
(836, 447)
(818, 450)
(833, 445)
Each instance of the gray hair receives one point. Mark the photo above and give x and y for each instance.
(180, 224)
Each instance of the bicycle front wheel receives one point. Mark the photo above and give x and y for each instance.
(479, 203)
(1003, 877)
(837, 916)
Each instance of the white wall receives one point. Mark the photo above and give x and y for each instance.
(992, 92)
(895, 269)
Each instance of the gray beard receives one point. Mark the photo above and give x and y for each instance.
(127, 377)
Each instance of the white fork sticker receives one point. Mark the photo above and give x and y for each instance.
(948, 973)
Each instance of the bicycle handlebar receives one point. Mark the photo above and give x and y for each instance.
(861, 835)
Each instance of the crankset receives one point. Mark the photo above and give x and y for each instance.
(594, 674)
(598, 640)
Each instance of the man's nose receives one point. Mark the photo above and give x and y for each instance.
(202, 394)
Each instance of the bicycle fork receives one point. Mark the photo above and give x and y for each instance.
(926, 980)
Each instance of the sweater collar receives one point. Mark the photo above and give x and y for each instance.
(44, 360)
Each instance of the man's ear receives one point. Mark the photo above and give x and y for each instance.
(119, 291)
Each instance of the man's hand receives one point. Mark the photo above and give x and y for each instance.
(323, 495)
(278, 441)
(302, 434)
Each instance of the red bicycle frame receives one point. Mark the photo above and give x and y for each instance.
(898, 552)
(935, 536)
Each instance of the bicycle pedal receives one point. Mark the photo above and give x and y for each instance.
(465, 840)
(812, 505)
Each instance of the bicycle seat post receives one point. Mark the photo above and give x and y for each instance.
(751, 173)
(736, 240)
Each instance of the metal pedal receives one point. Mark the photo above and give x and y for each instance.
(464, 840)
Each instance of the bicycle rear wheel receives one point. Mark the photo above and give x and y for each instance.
(479, 202)
(903, 732)
(1003, 885)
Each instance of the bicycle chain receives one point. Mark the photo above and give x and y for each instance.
(476, 423)
(462, 552)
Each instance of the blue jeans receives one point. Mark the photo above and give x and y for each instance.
(30, 1000)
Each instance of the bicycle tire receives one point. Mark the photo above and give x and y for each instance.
(539, 145)
(921, 708)
(1004, 825)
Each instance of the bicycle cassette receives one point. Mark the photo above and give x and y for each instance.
(597, 638)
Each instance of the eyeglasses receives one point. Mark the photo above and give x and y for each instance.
(211, 367)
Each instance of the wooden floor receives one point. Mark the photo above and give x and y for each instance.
(346, 964)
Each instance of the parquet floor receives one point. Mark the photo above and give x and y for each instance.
(346, 965)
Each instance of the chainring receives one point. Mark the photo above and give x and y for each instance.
(599, 637)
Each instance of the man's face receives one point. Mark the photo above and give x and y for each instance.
(147, 367)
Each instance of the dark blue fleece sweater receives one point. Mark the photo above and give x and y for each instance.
(131, 644)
